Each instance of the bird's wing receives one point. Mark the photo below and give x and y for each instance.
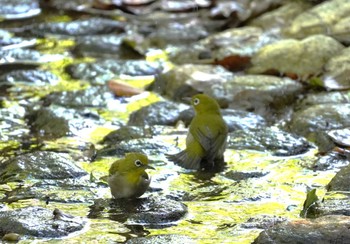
(213, 143)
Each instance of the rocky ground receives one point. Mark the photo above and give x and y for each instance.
(84, 82)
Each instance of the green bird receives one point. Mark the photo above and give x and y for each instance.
(127, 176)
(206, 138)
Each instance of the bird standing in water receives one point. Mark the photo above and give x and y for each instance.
(206, 138)
(127, 176)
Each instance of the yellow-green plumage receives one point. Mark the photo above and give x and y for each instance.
(206, 138)
(127, 176)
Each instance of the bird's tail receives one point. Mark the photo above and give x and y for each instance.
(185, 160)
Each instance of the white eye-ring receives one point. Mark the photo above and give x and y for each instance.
(196, 101)
(138, 163)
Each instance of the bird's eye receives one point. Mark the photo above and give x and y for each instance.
(196, 101)
(138, 163)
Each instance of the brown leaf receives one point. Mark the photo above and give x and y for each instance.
(122, 89)
(234, 62)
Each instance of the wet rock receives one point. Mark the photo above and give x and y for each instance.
(327, 229)
(231, 48)
(340, 137)
(39, 222)
(235, 119)
(148, 146)
(63, 191)
(7, 41)
(171, 239)
(107, 46)
(263, 222)
(12, 124)
(159, 113)
(93, 26)
(319, 19)
(334, 203)
(280, 143)
(301, 58)
(330, 161)
(313, 122)
(55, 121)
(167, 34)
(336, 76)
(325, 98)
(40, 165)
(19, 9)
(265, 95)
(32, 77)
(26, 57)
(340, 181)
(262, 94)
(126, 133)
(340, 30)
(151, 211)
(238, 176)
(102, 71)
(97, 96)
(46, 123)
(66, 5)
(187, 80)
(284, 14)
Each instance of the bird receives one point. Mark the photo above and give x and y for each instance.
(206, 138)
(128, 177)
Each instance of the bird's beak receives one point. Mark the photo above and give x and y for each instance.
(149, 167)
(186, 99)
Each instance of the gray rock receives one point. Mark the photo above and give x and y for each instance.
(239, 176)
(336, 75)
(148, 146)
(33, 77)
(47, 123)
(235, 119)
(262, 222)
(279, 142)
(187, 80)
(327, 229)
(262, 94)
(330, 161)
(225, 47)
(126, 133)
(107, 46)
(26, 57)
(285, 15)
(12, 124)
(39, 222)
(19, 9)
(102, 71)
(313, 122)
(340, 181)
(97, 96)
(159, 113)
(325, 98)
(8, 41)
(302, 58)
(334, 203)
(70, 190)
(55, 121)
(160, 239)
(319, 20)
(92, 26)
(40, 165)
(340, 137)
(151, 211)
